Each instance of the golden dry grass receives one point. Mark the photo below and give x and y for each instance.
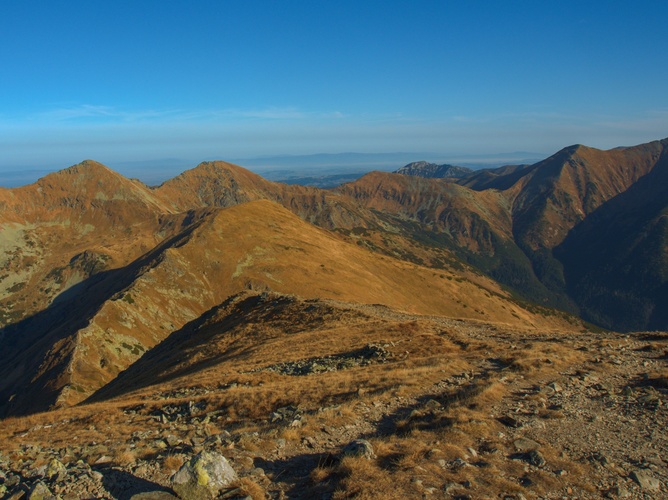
(173, 463)
(124, 457)
(250, 488)
(436, 390)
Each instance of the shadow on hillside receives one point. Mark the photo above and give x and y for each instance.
(296, 473)
(429, 412)
(39, 342)
(151, 368)
(123, 485)
(614, 259)
(212, 339)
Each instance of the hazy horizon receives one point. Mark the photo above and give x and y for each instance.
(153, 80)
(281, 167)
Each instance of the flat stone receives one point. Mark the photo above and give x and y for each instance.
(104, 459)
(646, 480)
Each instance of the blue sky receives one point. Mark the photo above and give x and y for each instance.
(130, 81)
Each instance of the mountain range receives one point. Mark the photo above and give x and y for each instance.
(98, 269)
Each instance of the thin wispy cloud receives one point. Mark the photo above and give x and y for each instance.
(112, 114)
(652, 120)
(89, 111)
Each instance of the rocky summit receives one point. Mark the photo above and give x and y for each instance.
(485, 334)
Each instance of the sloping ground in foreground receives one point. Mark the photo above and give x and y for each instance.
(280, 385)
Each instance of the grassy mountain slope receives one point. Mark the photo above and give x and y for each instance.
(70, 225)
(539, 205)
(257, 245)
(221, 184)
(477, 226)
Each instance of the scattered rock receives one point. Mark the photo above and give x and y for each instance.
(451, 487)
(433, 405)
(555, 387)
(458, 463)
(371, 353)
(203, 476)
(617, 491)
(19, 495)
(533, 457)
(627, 391)
(39, 491)
(55, 469)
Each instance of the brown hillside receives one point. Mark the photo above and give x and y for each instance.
(257, 245)
(281, 385)
(512, 218)
(448, 207)
(222, 184)
(81, 191)
(70, 225)
(562, 190)
(260, 245)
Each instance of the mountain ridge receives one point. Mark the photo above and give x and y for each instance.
(142, 262)
(258, 245)
(283, 326)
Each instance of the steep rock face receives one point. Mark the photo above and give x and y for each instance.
(451, 208)
(557, 194)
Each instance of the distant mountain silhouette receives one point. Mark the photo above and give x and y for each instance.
(432, 170)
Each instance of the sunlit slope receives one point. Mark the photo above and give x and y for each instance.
(258, 245)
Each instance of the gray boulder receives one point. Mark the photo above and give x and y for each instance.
(359, 448)
(646, 480)
(203, 476)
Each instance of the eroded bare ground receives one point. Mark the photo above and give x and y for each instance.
(452, 409)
